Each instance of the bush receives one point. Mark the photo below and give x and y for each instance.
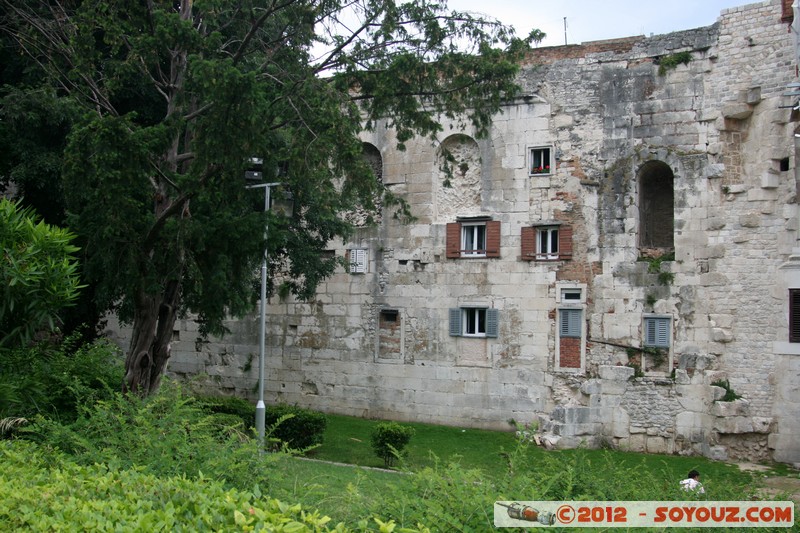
(305, 428)
(46, 492)
(166, 434)
(52, 380)
(389, 439)
(229, 405)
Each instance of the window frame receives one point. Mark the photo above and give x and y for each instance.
(536, 164)
(551, 241)
(575, 329)
(478, 238)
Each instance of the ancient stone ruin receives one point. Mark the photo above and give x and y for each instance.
(615, 263)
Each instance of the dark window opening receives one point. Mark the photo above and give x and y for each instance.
(388, 317)
(784, 164)
(656, 206)
(794, 315)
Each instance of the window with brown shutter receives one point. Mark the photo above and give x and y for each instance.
(794, 315)
(546, 243)
(473, 238)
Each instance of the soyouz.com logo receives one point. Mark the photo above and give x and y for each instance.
(644, 514)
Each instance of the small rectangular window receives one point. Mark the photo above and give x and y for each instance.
(388, 317)
(657, 332)
(358, 260)
(571, 295)
(540, 161)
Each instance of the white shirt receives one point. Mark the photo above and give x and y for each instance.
(691, 484)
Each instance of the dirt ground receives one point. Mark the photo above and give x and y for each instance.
(776, 486)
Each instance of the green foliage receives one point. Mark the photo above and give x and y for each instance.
(38, 272)
(229, 405)
(171, 111)
(42, 491)
(637, 370)
(389, 440)
(302, 430)
(730, 394)
(167, 434)
(671, 61)
(53, 380)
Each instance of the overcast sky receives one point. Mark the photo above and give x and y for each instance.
(592, 20)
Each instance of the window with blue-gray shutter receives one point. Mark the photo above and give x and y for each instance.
(657, 331)
(492, 322)
(474, 322)
(570, 322)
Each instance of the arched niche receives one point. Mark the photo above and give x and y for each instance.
(656, 206)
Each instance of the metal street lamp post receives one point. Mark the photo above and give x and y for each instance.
(261, 408)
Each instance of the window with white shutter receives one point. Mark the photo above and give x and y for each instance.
(358, 260)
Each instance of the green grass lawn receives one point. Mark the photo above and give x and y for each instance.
(347, 440)
(363, 488)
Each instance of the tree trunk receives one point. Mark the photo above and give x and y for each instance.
(149, 352)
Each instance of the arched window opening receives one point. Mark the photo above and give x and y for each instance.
(656, 206)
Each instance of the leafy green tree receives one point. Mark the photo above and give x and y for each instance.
(177, 96)
(38, 273)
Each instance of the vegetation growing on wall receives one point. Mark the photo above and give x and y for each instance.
(730, 394)
(671, 61)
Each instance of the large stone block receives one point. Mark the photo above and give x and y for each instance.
(740, 407)
(615, 373)
(734, 424)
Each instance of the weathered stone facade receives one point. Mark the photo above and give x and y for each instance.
(531, 294)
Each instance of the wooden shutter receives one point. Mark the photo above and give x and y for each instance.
(565, 242)
(570, 325)
(794, 315)
(493, 238)
(657, 332)
(358, 260)
(453, 244)
(492, 322)
(455, 322)
(528, 243)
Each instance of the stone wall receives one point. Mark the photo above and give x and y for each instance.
(380, 344)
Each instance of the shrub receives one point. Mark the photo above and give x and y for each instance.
(389, 439)
(39, 273)
(229, 405)
(52, 380)
(46, 492)
(166, 434)
(304, 429)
